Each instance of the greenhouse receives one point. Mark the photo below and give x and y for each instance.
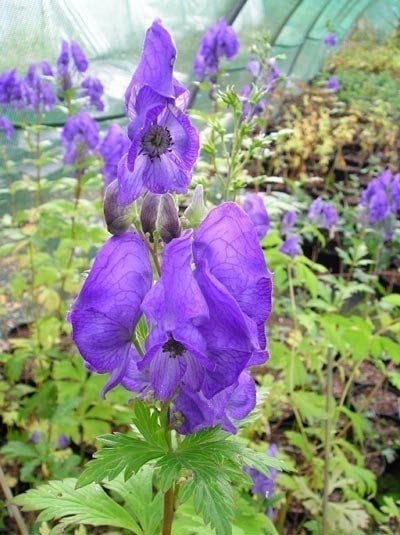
(200, 267)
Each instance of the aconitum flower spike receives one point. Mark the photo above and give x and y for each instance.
(264, 485)
(219, 41)
(323, 213)
(255, 208)
(105, 314)
(93, 89)
(80, 137)
(118, 218)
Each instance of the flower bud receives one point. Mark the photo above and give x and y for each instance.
(118, 218)
(196, 211)
(148, 213)
(168, 224)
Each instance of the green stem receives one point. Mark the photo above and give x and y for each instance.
(168, 511)
(327, 449)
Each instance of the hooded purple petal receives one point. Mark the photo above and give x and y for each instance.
(112, 148)
(227, 240)
(80, 60)
(105, 313)
(291, 246)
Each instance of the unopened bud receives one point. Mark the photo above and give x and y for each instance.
(118, 218)
(148, 213)
(196, 211)
(167, 223)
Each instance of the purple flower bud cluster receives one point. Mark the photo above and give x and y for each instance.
(323, 214)
(72, 63)
(291, 246)
(80, 137)
(219, 41)
(164, 144)
(330, 40)
(255, 208)
(381, 202)
(31, 92)
(206, 312)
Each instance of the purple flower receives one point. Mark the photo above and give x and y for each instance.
(205, 317)
(164, 144)
(227, 241)
(36, 94)
(106, 312)
(219, 41)
(381, 199)
(225, 408)
(291, 246)
(255, 208)
(35, 437)
(323, 213)
(330, 40)
(80, 137)
(113, 146)
(288, 221)
(333, 84)
(46, 68)
(161, 156)
(80, 60)
(6, 127)
(153, 84)
(93, 89)
(63, 67)
(262, 485)
(63, 442)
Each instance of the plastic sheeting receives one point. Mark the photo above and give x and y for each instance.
(112, 31)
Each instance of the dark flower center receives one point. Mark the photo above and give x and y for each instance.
(174, 348)
(156, 141)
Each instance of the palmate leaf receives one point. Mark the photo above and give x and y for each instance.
(121, 453)
(60, 500)
(125, 453)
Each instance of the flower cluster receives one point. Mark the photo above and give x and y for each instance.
(381, 201)
(164, 145)
(219, 41)
(262, 485)
(72, 63)
(6, 127)
(205, 315)
(323, 214)
(31, 92)
(114, 145)
(291, 245)
(80, 137)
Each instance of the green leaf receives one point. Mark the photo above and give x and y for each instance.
(392, 299)
(121, 453)
(61, 500)
(137, 493)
